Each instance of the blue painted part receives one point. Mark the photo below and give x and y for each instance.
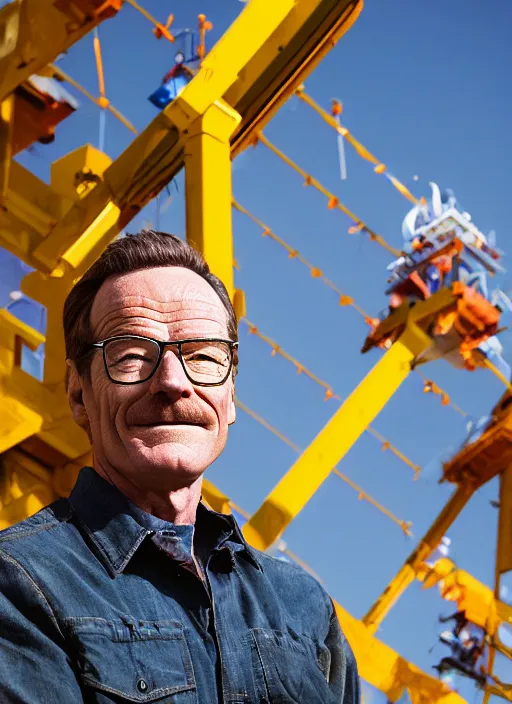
(29, 312)
(13, 270)
(168, 91)
(33, 362)
(186, 42)
(34, 314)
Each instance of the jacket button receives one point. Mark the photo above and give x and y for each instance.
(142, 685)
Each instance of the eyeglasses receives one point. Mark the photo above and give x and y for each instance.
(130, 359)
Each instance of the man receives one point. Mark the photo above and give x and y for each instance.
(131, 589)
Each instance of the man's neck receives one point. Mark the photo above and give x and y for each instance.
(178, 506)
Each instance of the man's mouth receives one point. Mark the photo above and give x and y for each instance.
(170, 423)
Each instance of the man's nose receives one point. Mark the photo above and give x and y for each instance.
(170, 377)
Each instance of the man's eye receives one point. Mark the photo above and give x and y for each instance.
(200, 357)
(133, 358)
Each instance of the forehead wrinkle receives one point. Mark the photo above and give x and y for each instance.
(130, 317)
(183, 301)
(197, 299)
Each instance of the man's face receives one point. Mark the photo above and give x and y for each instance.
(163, 433)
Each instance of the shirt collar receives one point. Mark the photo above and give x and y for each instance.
(116, 527)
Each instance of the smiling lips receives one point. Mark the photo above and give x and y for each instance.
(169, 423)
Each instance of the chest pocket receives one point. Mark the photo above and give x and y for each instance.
(133, 660)
(295, 668)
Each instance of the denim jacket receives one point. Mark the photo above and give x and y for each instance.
(101, 602)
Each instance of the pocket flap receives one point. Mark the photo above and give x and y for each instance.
(139, 661)
(295, 667)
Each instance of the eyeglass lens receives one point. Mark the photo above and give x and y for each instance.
(131, 361)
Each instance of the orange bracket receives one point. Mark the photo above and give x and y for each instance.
(204, 26)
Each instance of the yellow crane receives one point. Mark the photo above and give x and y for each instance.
(60, 228)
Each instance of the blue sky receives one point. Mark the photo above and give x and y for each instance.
(426, 87)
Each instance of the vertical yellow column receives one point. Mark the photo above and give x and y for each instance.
(6, 133)
(426, 546)
(208, 188)
(503, 547)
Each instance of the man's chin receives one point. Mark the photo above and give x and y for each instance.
(169, 457)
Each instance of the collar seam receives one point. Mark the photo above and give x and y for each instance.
(114, 565)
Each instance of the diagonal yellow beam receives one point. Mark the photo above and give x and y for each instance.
(314, 465)
(158, 153)
(362, 494)
(223, 64)
(426, 546)
(260, 60)
(333, 442)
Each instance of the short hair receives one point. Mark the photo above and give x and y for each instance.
(145, 250)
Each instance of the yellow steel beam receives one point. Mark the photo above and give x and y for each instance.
(249, 32)
(504, 546)
(315, 464)
(34, 32)
(6, 132)
(208, 189)
(28, 407)
(157, 154)
(31, 209)
(426, 546)
(215, 498)
(497, 691)
(478, 601)
(51, 291)
(503, 559)
(383, 668)
(257, 64)
(263, 53)
(309, 32)
(28, 504)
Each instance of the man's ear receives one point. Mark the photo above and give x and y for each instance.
(232, 406)
(75, 397)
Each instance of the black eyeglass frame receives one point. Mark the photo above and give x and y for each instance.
(161, 346)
